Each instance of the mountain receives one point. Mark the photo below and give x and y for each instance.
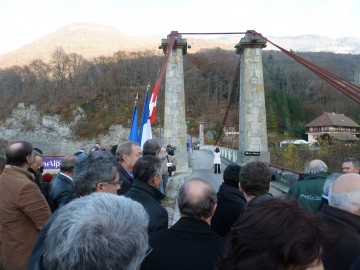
(312, 43)
(92, 40)
(88, 40)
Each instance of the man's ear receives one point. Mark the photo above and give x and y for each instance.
(213, 209)
(154, 181)
(125, 157)
(240, 188)
(99, 187)
(29, 159)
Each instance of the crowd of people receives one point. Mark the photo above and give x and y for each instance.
(104, 210)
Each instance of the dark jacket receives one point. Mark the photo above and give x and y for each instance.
(346, 227)
(230, 204)
(190, 244)
(126, 180)
(38, 250)
(60, 187)
(309, 190)
(355, 265)
(149, 197)
(259, 199)
(38, 181)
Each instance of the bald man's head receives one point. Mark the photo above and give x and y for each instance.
(315, 166)
(196, 199)
(19, 154)
(345, 193)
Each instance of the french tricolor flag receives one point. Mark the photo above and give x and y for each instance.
(145, 132)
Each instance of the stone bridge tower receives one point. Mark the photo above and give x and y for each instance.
(253, 144)
(175, 129)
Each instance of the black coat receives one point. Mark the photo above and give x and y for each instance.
(150, 198)
(60, 187)
(346, 226)
(355, 265)
(230, 204)
(126, 181)
(38, 180)
(190, 244)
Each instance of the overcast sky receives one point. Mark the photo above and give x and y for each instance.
(23, 21)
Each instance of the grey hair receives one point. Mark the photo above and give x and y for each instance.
(146, 168)
(151, 147)
(68, 163)
(315, 166)
(98, 166)
(354, 161)
(196, 204)
(35, 154)
(329, 181)
(349, 202)
(124, 148)
(98, 231)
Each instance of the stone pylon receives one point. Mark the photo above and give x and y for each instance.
(175, 129)
(201, 133)
(253, 144)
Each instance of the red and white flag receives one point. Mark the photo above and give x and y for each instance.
(152, 103)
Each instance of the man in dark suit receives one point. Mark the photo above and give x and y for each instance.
(343, 216)
(255, 177)
(231, 201)
(145, 190)
(35, 169)
(62, 185)
(190, 243)
(128, 153)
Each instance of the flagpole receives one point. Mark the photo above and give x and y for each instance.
(134, 131)
(136, 99)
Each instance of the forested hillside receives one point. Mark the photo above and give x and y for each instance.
(105, 88)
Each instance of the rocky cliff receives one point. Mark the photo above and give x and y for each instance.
(52, 135)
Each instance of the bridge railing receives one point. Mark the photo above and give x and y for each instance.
(282, 177)
(229, 154)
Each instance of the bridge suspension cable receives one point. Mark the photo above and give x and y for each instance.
(348, 88)
(234, 88)
(216, 33)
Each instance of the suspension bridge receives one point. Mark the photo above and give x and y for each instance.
(248, 80)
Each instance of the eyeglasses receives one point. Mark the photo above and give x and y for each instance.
(116, 184)
(147, 253)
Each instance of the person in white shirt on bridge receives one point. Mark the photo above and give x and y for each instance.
(217, 160)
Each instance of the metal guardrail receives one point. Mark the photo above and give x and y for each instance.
(230, 154)
(283, 177)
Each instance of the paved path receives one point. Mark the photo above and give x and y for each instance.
(201, 168)
(202, 162)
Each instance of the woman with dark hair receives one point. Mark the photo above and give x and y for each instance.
(217, 160)
(277, 234)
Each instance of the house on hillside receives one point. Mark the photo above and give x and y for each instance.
(332, 126)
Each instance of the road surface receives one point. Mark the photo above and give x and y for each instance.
(202, 162)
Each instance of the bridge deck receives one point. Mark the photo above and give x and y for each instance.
(202, 162)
